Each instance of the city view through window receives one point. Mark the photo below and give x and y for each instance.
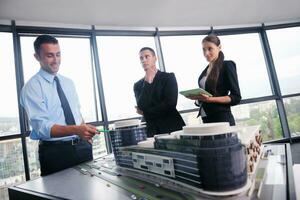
(182, 55)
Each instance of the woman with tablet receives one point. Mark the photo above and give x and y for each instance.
(220, 79)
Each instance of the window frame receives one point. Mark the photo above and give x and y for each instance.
(92, 33)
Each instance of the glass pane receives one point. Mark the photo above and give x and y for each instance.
(264, 114)
(285, 47)
(99, 145)
(33, 158)
(121, 68)
(11, 165)
(4, 193)
(246, 51)
(75, 64)
(9, 115)
(292, 108)
(191, 119)
(183, 56)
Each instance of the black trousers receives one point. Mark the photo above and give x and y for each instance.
(220, 117)
(58, 156)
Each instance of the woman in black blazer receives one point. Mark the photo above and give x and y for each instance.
(156, 96)
(220, 79)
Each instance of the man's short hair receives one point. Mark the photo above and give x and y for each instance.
(149, 49)
(42, 39)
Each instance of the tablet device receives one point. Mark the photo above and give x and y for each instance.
(194, 92)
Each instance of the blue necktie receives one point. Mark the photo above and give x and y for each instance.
(64, 104)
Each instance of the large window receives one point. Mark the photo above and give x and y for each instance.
(285, 47)
(11, 165)
(292, 108)
(264, 114)
(183, 56)
(9, 116)
(121, 68)
(246, 51)
(75, 64)
(11, 159)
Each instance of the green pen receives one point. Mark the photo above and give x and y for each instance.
(103, 130)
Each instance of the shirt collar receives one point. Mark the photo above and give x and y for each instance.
(47, 76)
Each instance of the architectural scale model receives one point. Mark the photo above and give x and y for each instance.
(213, 158)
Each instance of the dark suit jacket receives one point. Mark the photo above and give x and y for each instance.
(158, 102)
(227, 85)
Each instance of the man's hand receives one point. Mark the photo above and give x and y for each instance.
(139, 111)
(87, 132)
(90, 141)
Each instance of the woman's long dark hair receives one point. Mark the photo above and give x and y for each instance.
(213, 76)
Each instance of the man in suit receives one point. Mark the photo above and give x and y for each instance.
(53, 109)
(156, 96)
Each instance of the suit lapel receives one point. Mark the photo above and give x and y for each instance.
(148, 91)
